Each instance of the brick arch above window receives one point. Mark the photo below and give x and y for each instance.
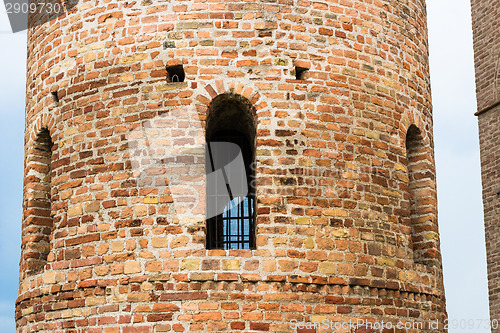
(43, 121)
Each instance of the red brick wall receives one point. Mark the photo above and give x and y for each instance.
(334, 234)
(38, 223)
(489, 129)
(486, 26)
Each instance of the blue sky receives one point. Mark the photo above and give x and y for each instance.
(456, 145)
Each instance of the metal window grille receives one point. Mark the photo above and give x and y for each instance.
(234, 228)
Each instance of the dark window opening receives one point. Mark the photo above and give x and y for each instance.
(55, 97)
(175, 74)
(300, 73)
(230, 179)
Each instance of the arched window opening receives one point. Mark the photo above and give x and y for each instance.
(38, 223)
(230, 195)
(422, 197)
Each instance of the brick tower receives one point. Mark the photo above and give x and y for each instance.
(125, 226)
(486, 27)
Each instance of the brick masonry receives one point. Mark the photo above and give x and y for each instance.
(346, 200)
(486, 26)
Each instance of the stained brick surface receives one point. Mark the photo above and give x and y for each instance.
(489, 129)
(338, 217)
(486, 26)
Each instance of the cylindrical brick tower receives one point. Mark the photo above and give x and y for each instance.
(330, 105)
(486, 28)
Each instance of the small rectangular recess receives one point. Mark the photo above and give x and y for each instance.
(175, 73)
(300, 73)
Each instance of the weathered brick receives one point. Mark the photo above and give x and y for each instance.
(485, 26)
(345, 179)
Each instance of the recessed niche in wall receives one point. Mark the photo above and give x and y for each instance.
(175, 73)
(55, 97)
(300, 73)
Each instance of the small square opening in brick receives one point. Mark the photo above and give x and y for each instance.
(175, 73)
(300, 73)
(55, 97)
